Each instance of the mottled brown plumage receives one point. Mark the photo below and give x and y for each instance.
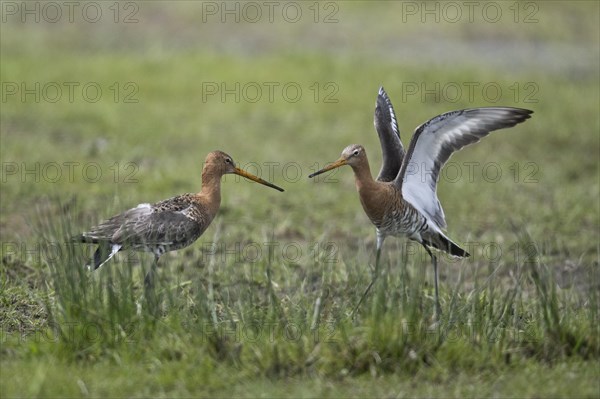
(403, 200)
(166, 225)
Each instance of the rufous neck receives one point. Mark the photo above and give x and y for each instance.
(362, 175)
(211, 187)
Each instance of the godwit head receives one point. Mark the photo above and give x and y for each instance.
(218, 163)
(354, 155)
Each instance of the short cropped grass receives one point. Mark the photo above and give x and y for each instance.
(260, 305)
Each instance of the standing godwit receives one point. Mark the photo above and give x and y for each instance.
(166, 225)
(403, 200)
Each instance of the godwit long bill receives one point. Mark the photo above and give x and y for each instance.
(403, 200)
(166, 225)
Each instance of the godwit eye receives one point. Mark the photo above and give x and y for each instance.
(355, 153)
(227, 160)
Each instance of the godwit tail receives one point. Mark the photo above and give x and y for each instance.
(440, 241)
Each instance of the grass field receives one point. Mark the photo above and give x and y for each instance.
(117, 108)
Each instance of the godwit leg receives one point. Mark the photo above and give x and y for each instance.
(380, 239)
(149, 292)
(149, 278)
(438, 308)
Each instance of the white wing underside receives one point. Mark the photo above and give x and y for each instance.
(435, 141)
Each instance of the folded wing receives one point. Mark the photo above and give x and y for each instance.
(147, 224)
(169, 228)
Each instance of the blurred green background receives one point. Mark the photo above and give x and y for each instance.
(108, 104)
(300, 88)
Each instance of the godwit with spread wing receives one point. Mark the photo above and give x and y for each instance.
(166, 225)
(403, 200)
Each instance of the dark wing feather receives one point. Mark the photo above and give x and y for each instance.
(435, 141)
(161, 227)
(167, 223)
(389, 137)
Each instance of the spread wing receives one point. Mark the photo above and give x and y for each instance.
(389, 137)
(435, 141)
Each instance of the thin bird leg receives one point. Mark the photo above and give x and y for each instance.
(149, 278)
(150, 294)
(438, 308)
(375, 274)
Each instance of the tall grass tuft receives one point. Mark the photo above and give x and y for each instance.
(89, 312)
(279, 320)
(567, 329)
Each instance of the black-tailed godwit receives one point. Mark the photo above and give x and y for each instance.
(403, 200)
(166, 225)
